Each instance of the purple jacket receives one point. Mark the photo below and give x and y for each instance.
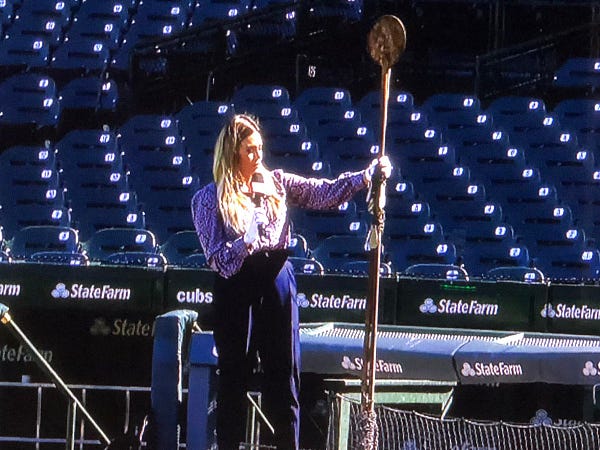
(225, 250)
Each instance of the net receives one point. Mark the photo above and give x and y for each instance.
(411, 430)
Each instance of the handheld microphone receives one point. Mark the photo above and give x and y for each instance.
(258, 196)
(258, 189)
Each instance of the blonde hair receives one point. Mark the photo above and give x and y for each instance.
(233, 203)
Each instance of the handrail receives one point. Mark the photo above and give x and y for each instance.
(74, 403)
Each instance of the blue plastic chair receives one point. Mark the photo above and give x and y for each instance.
(106, 242)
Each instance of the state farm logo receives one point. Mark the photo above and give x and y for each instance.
(458, 307)
(491, 369)
(100, 327)
(332, 301)
(589, 369)
(78, 291)
(380, 365)
(548, 311)
(122, 327)
(60, 291)
(566, 311)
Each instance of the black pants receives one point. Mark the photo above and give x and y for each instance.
(258, 306)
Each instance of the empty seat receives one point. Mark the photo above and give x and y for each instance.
(20, 53)
(316, 225)
(315, 104)
(178, 247)
(210, 11)
(29, 241)
(29, 100)
(306, 266)
(578, 72)
(262, 101)
(437, 271)
(526, 274)
(335, 251)
(107, 243)
(369, 106)
(90, 95)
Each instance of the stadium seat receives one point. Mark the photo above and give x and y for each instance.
(306, 266)
(263, 101)
(399, 104)
(298, 246)
(316, 104)
(402, 254)
(35, 239)
(80, 57)
(166, 202)
(23, 53)
(437, 271)
(200, 124)
(143, 259)
(47, 28)
(578, 72)
(336, 250)
(114, 11)
(29, 100)
(211, 11)
(525, 274)
(346, 147)
(90, 99)
(498, 248)
(105, 243)
(105, 31)
(179, 246)
(316, 225)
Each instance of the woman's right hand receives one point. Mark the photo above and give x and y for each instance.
(254, 231)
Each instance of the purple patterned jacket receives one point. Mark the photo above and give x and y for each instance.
(225, 250)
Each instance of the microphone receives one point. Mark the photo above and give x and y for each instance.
(258, 189)
(258, 195)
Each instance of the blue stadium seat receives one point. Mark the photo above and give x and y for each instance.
(91, 158)
(581, 116)
(114, 11)
(29, 241)
(166, 203)
(515, 112)
(499, 248)
(315, 104)
(99, 208)
(107, 32)
(113, 242)
(437, 271)
(263, 101)
(569, 261)
(200, 124)
(578, 72)
(316, 225)
(298, 246)
(306, 266)
(346, 147)
(22, 53)
(153, 260)
(47, 28)
(179, 246)
(211, 11)
(402, 254)
(80, 57)
(278, 22)
(336, 250)
(524, 274)
(89, 95)
(29, 100)
(449, 111)
(399, 104)
(337, 11)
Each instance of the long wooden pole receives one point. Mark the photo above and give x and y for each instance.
(387, 41)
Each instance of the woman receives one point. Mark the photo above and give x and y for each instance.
(244, 234)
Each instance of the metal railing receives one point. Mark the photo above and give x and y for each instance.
(80, 435)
